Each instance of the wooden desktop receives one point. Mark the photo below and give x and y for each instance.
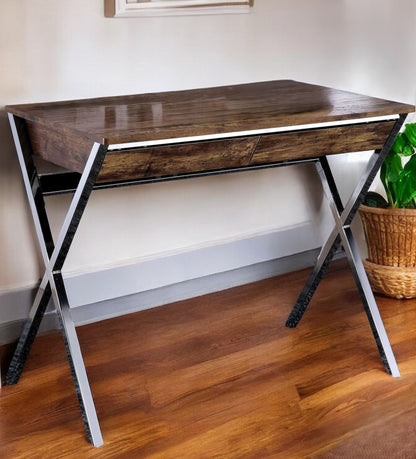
(83, 145)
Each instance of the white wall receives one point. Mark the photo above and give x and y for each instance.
(52, 50)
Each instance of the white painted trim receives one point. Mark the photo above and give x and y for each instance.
(180, 267)
(190, 289)
(129, 8)
(229, 135)
(121, 289)
(89, 313)
(10, 331)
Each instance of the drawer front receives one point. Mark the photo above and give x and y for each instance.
(122, 165)
(72, 152)
(177, 159)
(315, 143)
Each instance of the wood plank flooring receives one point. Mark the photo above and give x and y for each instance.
(220, 376)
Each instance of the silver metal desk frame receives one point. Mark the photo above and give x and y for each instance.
(54, 255)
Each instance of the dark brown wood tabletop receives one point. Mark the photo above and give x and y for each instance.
(207, 111)
(63, 132)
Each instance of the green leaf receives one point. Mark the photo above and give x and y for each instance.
(399, 144)
(390, 174)
(400, 182)
(408, 150)
(410, 166)
(410, 133)
(406, 189)
(392, 167)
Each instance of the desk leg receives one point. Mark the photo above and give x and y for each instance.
(342, 234)
(76, 363)
(334, 240)
(360, 277)
(28, 333)
(52, 283)
(324, 259)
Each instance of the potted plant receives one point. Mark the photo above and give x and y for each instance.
(390, 225)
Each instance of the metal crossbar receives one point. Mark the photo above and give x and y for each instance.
(342, 235)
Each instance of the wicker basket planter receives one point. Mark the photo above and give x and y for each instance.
(391, 240)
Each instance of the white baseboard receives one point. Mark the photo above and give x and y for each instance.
(86, 288)
(121, 290)
(189, 289)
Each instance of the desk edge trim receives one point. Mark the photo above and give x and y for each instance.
(225, 135)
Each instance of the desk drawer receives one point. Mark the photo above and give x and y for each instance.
(177, 159)
(320, 142)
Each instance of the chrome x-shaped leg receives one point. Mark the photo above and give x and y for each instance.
(52, 283)
(342, 235)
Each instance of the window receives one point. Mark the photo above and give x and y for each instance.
(129, 8)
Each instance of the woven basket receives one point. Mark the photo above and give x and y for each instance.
(392, 281)
(391, 241)
(390, 235)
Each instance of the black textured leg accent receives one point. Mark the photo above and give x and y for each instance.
(310, 287)
(377, 339)
(75, 381)
(30, 329)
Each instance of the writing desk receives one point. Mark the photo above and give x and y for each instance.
(117, 141)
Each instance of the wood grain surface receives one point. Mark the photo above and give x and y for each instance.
(320, 142)
(220, 376)
(63, 132)
(177, 159)
(206, 111)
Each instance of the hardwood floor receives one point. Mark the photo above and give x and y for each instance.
(220, 376)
